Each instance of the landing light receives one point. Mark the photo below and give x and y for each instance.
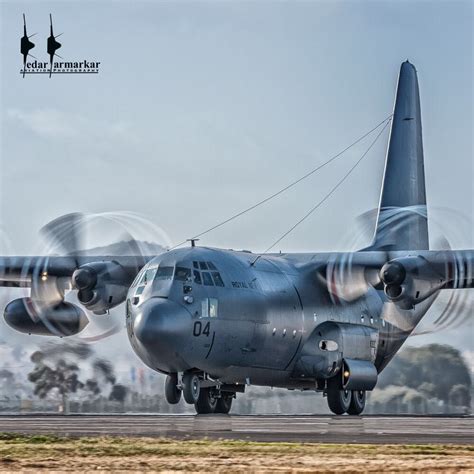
(346, 374)
(44, 276)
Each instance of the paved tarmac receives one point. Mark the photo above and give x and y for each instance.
(307, 428)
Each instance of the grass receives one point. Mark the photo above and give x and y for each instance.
(50, 452)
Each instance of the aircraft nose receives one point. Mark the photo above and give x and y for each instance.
(160, 327)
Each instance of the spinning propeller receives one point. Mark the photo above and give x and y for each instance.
(347, 280)
(98, 280)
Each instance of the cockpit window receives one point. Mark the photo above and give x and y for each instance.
(207, 279)
(182, 274)
(164, 273)
(196, 265)
(203, 265)
(211, 266)
(197, 277)
(148, 276)
(217, 279)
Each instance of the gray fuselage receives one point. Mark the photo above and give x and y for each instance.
(212, 310)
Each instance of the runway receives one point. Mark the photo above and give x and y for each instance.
(307, 428)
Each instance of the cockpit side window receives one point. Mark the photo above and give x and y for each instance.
(148, 276)
(137, 279)
(182, 274)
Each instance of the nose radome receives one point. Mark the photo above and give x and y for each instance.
(161, 327)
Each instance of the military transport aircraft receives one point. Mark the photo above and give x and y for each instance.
(217, 320)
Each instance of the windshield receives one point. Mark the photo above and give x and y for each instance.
(164, 273)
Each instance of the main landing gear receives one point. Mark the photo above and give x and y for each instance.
(205, 396)
(342, 401)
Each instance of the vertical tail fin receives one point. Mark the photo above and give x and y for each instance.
(402, 222)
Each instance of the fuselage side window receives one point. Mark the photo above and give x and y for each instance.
(205, 308)
(209, 308)
(212, 308)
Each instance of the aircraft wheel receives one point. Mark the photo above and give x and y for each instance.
(191, 388)
(172, 392)
(224, 404)
(357, 402)
(338, 400)
(206, 403)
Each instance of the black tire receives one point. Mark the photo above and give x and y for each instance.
(191, 388)
(338, 400)
(206, 403)
(172, 392)
(224, 404)
(357, 402)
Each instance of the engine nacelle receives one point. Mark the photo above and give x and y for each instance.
(101, 285)
(410, 280)
(64, 319)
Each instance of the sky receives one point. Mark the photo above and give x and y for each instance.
(200, 109)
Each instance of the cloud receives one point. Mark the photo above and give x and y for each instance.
(56, 124)
(44, 122)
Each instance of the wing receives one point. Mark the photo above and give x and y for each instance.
(101, 284)
(407, 278)
(21, 271)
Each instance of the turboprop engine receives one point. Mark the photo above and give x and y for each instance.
(410, 280)
(100, 285)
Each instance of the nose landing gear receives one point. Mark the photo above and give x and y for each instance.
(191, 387)
(172, 390)
(206, 395)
